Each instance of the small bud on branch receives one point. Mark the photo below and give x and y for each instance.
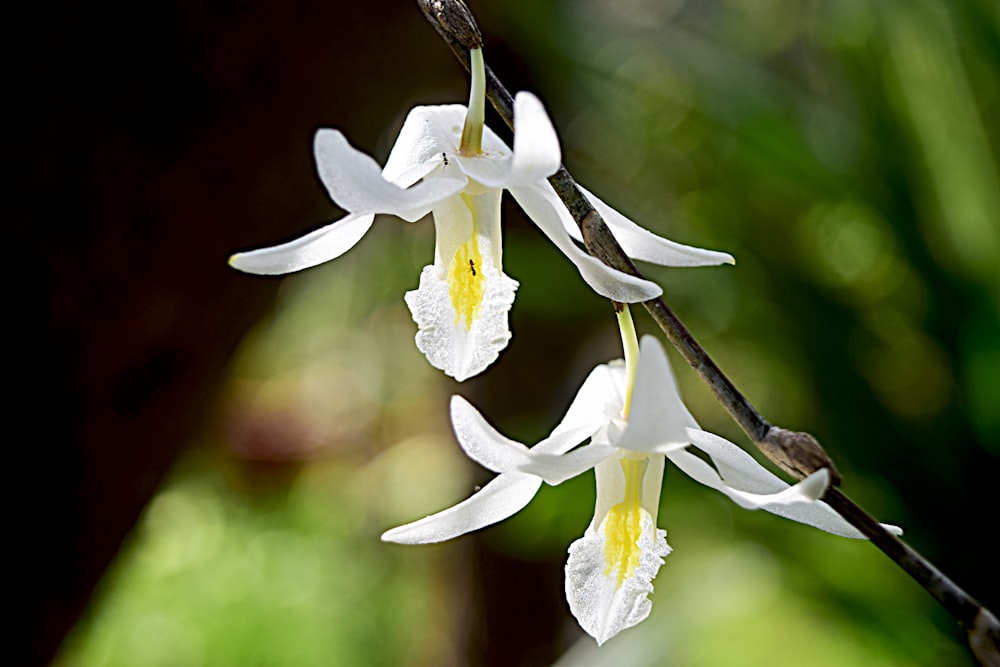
(799, 454)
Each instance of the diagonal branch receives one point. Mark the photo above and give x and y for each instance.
(797, 453)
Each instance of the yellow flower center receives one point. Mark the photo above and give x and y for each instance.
(623, 525)
(466, 283)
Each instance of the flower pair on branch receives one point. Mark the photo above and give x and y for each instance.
(448, 163)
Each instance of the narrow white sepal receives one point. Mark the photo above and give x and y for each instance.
(493, 451)
(536, 146)
(657, 419)
(739, 476)
(430, 136)
(641, 244)
(598, 401)
(355, 183)
(600, 605)
(637, 241)
(314, 248)
(503, 497)
(604, 280)
(737, 473)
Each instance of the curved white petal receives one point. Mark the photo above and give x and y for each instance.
(354, 181)
(735, 465)
(637, 242)
(492, 450)
(503, 497)
(642, 244)
(314, 248)
(741, 474)
(604, 280)
(430, 136)
(806, 491)
(536, 145)
(492, 168)
(599, 400)
(657, 419)
(601, 603)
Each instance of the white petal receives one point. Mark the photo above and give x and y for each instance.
(604, 280)
(536, 146)
(354, 181)
(431, 136)
(503, 497)
(492, 450)
(739, 476)
(603, 606)
(599, 400)
(427, 133)
(492, 168)
(806, 491)
(736, 466)
(657, 419)
(314, 248)
(637, 242)
(642, 244)
(742, 478)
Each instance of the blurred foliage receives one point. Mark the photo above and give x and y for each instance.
(843, 151)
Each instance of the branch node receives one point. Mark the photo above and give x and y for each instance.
(984, 638)
(453, 21)
(797, 453)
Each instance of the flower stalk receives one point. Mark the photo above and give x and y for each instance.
(630, 345)
(472, 132)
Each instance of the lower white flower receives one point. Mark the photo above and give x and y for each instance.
(633, 427)
(610, 571)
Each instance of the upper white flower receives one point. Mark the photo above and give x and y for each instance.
(461, 305)
(610, 569)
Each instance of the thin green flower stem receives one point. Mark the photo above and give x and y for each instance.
(630, 345)
(475, 117)
(797, 453)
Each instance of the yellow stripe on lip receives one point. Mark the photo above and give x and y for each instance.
(623, 525)
(466, 282)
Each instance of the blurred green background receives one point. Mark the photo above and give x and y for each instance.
(844, 152)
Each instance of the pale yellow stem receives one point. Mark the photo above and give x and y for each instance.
(472, 132)
(631, 346)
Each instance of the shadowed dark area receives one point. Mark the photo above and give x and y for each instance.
(149, 142)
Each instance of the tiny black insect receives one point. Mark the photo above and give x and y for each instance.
(472, 265)
(444, 157)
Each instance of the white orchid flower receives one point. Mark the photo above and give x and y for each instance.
(610, 569)
(446, 162)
